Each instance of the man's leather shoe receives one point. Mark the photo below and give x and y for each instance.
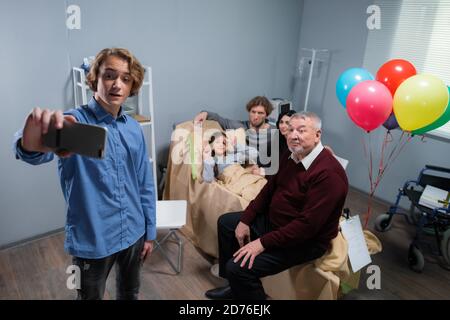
(222, 293)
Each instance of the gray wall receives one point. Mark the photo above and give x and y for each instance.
(340, 26)
(213, 54)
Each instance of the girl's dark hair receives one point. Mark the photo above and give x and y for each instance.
(214, 136)
(216, 170)
(282, 139)
(288, 113)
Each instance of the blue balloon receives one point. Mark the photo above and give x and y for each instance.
(348, 79)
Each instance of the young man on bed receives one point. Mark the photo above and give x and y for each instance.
(291, 221)
(259, 133)
(110, 202)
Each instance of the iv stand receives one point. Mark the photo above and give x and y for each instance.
(313, 60)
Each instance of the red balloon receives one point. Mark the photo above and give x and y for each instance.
(369, 104)
(394, 72)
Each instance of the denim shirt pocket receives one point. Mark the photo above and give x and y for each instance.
(100, 169)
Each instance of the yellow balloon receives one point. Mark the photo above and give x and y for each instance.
(419, 101)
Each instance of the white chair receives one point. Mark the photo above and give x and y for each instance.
(171, 215)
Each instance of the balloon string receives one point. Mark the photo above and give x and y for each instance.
(369, 209)
(389, 134)
(408, 139)
(364, 147)
(370, 181)
(402, 146)
(383, 164)
(370, 162)
(396, 146)
(373, 185)
(383, 148)
(388, 138)
(383, 168)
(389, 160)
(391, 157)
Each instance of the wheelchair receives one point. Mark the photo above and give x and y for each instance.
(432, 221)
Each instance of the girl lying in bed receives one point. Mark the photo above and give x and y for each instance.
(227, 166)
(216, 157)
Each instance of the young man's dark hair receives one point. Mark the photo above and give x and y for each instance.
(260, 101)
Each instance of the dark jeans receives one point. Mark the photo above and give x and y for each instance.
(94, 273)
(245, 283)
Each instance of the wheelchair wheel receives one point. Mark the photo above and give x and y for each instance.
(383, 222)
(415, 259)
(445, 246)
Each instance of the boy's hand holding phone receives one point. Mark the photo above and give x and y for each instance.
(37, 125)
(51, 131)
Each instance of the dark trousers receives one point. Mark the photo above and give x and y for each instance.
(245, 283)
(94, 273)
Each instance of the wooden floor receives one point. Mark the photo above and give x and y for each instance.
(398, 281)
(36, 270)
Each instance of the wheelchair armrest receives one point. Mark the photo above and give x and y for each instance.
(442, 210)
(436, 168)
(409, 182)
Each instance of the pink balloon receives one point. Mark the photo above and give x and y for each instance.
(369, 104)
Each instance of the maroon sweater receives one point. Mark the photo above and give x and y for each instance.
(304, 206)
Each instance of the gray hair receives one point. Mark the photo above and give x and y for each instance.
(317, 123)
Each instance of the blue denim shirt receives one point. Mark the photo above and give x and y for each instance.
(110, 202)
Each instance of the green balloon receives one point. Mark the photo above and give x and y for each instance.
(436, 124)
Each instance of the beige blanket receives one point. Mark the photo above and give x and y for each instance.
(241, 181)
(321, 279)
(205, 201)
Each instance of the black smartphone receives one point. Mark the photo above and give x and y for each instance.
(83, 139)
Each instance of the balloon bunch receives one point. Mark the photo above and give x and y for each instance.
(396, 97)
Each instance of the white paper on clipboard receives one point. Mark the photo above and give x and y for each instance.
(357, 246)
